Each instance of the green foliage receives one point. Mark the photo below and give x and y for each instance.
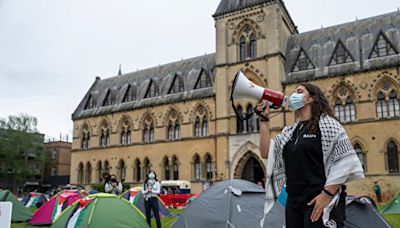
(21, 149)
(98, 187)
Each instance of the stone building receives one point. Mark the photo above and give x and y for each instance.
(177, 118)
(58, 167)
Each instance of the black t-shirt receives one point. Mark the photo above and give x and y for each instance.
(304, 165)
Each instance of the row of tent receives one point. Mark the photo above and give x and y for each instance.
(72, 209)
(238, 203)
(231, 203)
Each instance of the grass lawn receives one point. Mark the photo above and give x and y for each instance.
(165, 221)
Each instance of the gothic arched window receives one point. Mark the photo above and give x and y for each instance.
(381, 106)
(242, 48)
(167, 172)
(239, 122)
(350, 110)
(253, 46)
(85, 141)
(105, 138)
(339, 110)
(122, 170)
(80, 173)
(148, 130)
(345, 109)
(247, 44)
(138, 170)
(251, 122)
(204, 128)
(147, 166)
(99, 171)
(209, 167)
(197, 129)
(394, 110)
(175, 165)
(393, 157)
(170, 131)
(88, 173)
(361, 155)
(197, 168)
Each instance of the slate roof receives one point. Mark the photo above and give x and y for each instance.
(188, 71)
(358, 37)
(228, 6)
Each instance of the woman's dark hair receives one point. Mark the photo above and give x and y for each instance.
(147, 177)
(319, 107)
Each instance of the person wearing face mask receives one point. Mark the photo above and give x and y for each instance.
(151, 190)
(113, 186)
(314, 158)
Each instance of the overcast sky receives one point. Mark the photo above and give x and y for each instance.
(51, 50)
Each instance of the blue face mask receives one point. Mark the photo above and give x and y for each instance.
(296, 101)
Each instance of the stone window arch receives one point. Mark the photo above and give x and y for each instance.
(125, 132)
(201, 124)
(393, 157)
(88, 174)
(251, 123)
(209, 166)
(85, 137)
(80, 173)
(345, 109)
(148, 129)
(121, 170)
(106, 167)
(167, 168)
(197, 167)
(173, 128)
(99, 172)
(387, 100)
(175, 168)
(247, 44)
(361, 155)
(146, 166)
(239, 122)
(138, 170)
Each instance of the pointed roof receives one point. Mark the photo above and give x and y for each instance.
(228, 6)
(358, 38)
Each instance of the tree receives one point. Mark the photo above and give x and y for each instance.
(21, 150)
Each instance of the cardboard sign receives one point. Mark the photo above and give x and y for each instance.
(5, 214)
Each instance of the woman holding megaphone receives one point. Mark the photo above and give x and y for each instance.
(313, 158)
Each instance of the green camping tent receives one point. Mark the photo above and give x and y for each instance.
(393, 207)
(19, 212)
(101, 210)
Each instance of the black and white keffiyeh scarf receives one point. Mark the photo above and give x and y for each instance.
(340, 161)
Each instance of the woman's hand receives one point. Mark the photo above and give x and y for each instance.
(320, 202)
(263, 105)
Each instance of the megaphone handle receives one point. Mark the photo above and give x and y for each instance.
(260, 113)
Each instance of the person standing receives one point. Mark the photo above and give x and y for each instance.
(314, 158)
(378, 192)
(113, 186)
(151, 190)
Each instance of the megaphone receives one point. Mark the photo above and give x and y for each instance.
(242, 87)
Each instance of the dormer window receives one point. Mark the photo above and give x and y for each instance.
(130, 94)
(203, 81)
(152, 90)
(109, 99)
